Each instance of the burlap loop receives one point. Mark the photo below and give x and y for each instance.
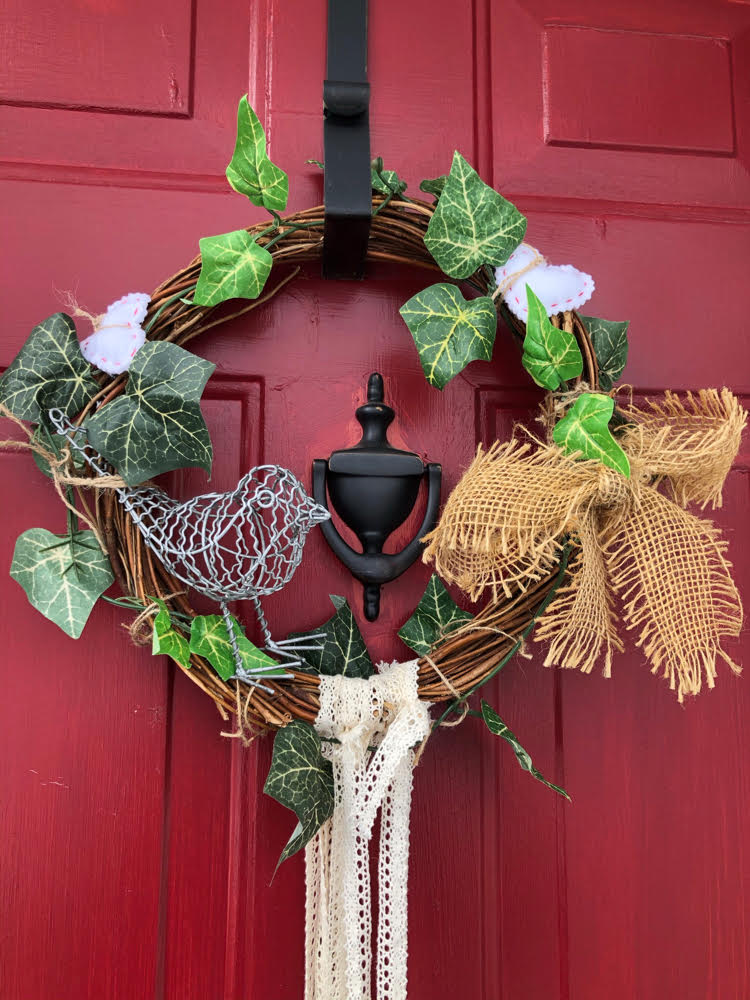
(504, 524)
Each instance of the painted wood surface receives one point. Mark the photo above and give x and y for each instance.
(138, 851)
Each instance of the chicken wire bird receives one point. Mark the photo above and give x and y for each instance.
(239, 545)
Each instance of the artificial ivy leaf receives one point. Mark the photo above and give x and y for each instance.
(434, 185)
(584, 429)
(550, 356)
(496, 726)
(156, 425)
(302, 780)
(233, 266)
(386, 182)
(449, 330)
(209, 638)
(63, 575)
(610, 341)
(49, 371)
(166, 639)
(250, 171)
(472, 224)
(342, 648)
(435, 616)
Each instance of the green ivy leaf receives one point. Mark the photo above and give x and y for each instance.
(209, 638)
(550, 356)
(435, 616)
(250, 172)
(156, 425)
(302, 780)
(496, 726)
(610, 341)
(386, 182)
(63, 575)
(233, 266)
(434, 185)
(449, 331)
(166, 639)
(49, 371)
(584, 429)
(342, 648)
(472, 224)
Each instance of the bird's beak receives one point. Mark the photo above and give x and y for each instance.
(317, 514)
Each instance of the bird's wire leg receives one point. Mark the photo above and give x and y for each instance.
(287, 649)
(240, 673)
(295, 643)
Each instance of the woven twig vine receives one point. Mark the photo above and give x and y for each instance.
(464, 657)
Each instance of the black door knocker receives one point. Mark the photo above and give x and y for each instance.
(373, 488)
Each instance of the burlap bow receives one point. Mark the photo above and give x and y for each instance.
(504, 524)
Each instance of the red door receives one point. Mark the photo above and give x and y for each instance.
(137, 848)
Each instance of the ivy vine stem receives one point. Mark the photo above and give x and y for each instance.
(174, 298)
(454, 705)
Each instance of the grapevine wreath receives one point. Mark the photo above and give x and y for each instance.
(551, 529)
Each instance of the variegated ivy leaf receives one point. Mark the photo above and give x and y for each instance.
(434, 185)
(610, 342)
(496, 726)
(584, 430)
(449, 330)
(342, 648)
(168, 640)
(386, 182)
(550, 356)
(233, 266)
(435, 616)
(250, 171)
(63, 575)
(302, 780)
(209, 638)
(472, 224)
(156, 425)
(49, 371)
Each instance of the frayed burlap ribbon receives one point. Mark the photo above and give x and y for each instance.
(503, 526)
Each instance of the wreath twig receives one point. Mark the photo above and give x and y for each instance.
(467, 656)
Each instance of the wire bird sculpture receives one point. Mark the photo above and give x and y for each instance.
(232, 546)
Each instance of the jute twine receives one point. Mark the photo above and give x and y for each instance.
(512, 278)
(503, 526)
(59, 467)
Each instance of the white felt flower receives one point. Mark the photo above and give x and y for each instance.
(559, 287)
(118, 335)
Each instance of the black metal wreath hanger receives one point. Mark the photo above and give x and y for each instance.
(346, 142)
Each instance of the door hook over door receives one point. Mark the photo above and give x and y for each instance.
(373, 488)
(346, 142)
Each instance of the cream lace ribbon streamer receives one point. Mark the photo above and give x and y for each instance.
(377, 722)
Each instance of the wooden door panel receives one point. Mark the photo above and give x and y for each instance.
(83, 737)
(136, 96)
(139, 63)
(624, 103)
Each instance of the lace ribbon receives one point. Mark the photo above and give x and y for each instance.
(377, 722)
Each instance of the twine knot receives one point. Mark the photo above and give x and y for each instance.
(612, 488)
